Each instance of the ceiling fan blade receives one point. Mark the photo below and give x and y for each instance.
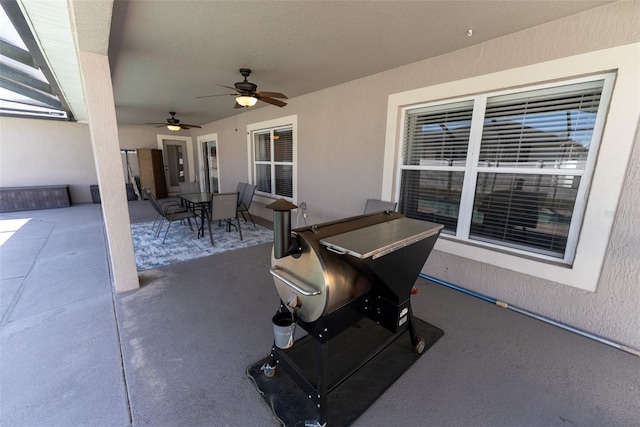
(185, 126)
(229, 87)
(222, 94)
(271, 94)
(155, 123)
(238, 106)
(272, 101)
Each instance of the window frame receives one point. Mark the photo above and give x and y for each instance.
(472, 169)
(607, 176)
(270, 126)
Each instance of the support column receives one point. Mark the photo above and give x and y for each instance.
(98, 94)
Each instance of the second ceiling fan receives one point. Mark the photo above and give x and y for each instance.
(174, 124)
(247, 94)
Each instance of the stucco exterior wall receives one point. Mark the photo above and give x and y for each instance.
(44, 152)
(341, 133)
(41, 152)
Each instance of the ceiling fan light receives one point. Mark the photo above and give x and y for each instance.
(173, 128)
(246, 101)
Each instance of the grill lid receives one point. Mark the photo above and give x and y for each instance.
(380, 239)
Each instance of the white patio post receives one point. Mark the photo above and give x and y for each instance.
(98, 91)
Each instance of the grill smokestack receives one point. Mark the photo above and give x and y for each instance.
(283, 243)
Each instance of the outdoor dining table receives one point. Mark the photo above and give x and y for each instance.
(196, 201)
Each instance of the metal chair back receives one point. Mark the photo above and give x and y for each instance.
(245, 203)
(189, 187)
(375, 205)
(224, 207)
(242, 186)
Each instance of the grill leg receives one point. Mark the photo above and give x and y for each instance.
(321, 385)
(269, 369)
(418, 343)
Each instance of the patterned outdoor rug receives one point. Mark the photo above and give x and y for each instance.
(182, 244)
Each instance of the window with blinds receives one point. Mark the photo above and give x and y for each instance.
(505, 169)
(273, 161)
(434, 161)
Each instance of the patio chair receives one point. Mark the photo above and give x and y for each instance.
(169, 213)
(189, 187)
(240, 190)
(376, 205)
(224, 207)
(159, 205)
(245, 203)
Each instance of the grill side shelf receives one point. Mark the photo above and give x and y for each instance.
(381, 239)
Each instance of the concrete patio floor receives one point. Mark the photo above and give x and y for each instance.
(174, 352)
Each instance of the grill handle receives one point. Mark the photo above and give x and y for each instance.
(279, 273)
(336, 251)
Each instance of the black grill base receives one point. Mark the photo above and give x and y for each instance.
(348, 399)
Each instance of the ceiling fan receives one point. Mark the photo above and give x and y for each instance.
(174, 124)
(247, 94)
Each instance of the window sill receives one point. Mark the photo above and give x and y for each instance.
(497, 249)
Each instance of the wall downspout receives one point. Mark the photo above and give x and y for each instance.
(530, 314)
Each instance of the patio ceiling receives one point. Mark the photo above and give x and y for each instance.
(164, 54)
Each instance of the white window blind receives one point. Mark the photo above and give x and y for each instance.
(273, 162)
(434, 159)
(438, 136)
(538, 129)
(514, 184)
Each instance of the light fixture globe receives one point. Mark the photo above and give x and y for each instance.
(173, 128)
(246, 101)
